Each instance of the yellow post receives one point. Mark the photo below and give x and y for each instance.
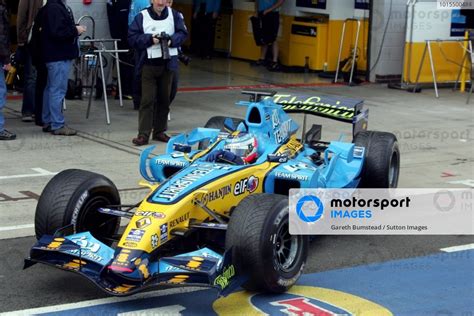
(465, 64)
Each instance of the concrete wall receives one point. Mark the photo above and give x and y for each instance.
(98, 11)
(391, 56)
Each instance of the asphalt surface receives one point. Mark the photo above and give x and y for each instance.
(436, 141)
(44, 286)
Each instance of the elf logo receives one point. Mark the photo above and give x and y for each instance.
(249, 184)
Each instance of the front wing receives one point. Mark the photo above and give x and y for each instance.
(197, 268)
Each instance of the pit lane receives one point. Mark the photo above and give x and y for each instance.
(105, 149)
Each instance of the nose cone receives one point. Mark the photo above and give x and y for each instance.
(129, 266)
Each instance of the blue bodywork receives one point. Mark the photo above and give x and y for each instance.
(339, 168)
(283, 163)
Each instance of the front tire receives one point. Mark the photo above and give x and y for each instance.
(262, 247)
(73, 197)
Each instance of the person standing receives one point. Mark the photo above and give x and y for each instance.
(205, 14)
(59, 37)
(27, 11)
(4, 65)
(136, 7)
(269, 13)
(157, 72)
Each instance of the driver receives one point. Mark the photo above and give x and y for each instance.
(240, 148)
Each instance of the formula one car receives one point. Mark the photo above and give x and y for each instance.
(216, 220)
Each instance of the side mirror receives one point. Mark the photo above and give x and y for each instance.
(277, 158)
(184, 148)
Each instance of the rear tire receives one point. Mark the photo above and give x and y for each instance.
(262, 247)
(73, 197)
(382, 159)
(217, 122)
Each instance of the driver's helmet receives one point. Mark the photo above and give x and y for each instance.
(243, 145)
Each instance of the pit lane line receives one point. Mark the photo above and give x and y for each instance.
(40, 172)
(458, 248)
(108, 300)
(16, 227)
(323, 277)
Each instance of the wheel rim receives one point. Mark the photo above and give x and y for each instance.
(286, 248)
(393, 170)
(98, 224)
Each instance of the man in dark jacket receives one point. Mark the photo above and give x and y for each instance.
(157, 71)
(27, 10)
(59, 46)
(4, 64)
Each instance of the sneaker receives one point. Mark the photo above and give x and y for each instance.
(64, 131)
(140, 140)
(161, 137)
(124, 97)
(27, 118)
(46, 128)
(274, 66)
(6, 135)
(260, 62)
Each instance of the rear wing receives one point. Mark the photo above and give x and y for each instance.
(347, 110)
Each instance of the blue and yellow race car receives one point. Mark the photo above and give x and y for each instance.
(217, 210)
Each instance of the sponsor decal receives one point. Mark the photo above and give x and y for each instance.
(144, 222)
(294, 146)
(223, 279)
(299, 166)
(122, 258)
(281, 130)
(179, 220)
(75, 264)
(299, 300)
(342, 108)
(86, 255)
(249, 184)
(217, 194)
(170, 163)
(154, 241)
(88, 249)
(135, 235)
(56, 243)
(77, 208)
(163, 233)
(195, 263)
(157, 215)
(130, 244)
(290, 176)
(86, 244)
(124, 288)
(177, 279)
(176, 187)
(143, 267)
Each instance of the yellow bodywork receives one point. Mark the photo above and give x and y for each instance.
(217, 195)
